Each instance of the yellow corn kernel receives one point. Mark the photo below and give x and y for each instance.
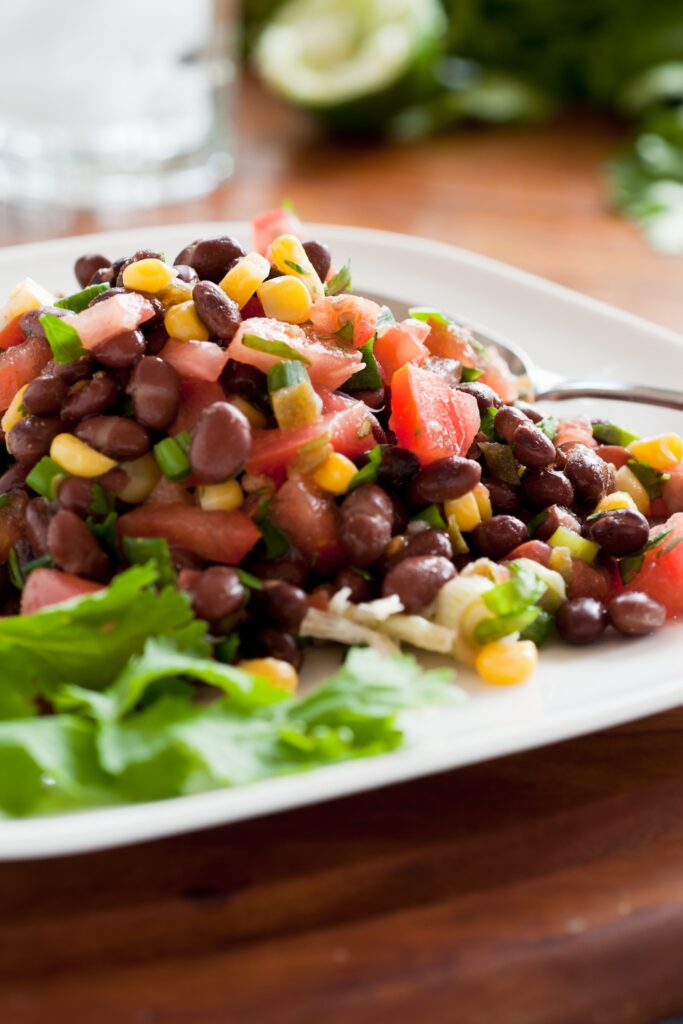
(457, 540)
(244, 277)
(254, 415)
(626, 480)
(278, 672)
(335, 474)
(174, 293)
(143, 476)
(617, 499)
(225, 497)
(149, 275)
(289, 256)
(482, 497)
(662, 452)
(465, 511)
(78, 458)
(13, 412)
(285, 298)
(182, 323)
(504, 664)
(561, 561)
(296, 405)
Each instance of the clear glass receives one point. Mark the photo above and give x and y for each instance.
(115, 105)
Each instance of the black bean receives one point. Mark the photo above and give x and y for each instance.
(103, 296)
(218, 312)
(38, 515)
(619, 532)
(120, 438)
(373, 399)
(186, 273)
(73, 547)
(397, 468)
(76, 494)
(140, 254)
(221, 441)
(581, 620)
(531, 447)
(217, 593)
(283, 604)
(211, 257)
(105, 275)
(155, 338)
(588, 473)
(507, 420)
(361, 588)
(529, 410)
(443, 480)
(44, 395)
(122, 351)
(247, 382)
(504, 498)
(13, 477)
(269, 642)
(425, 542)
(544, 487)
(485, 396)
(498, 536)
(366, 524)
(555, 517)
(320, 256)
(635, 613)
(31, 437)
(417, 580)
(91, 398)
(86, 265)
(30, 323)
(154, 387)
(80, 369)
(290, 568)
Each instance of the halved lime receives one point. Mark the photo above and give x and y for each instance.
(354, 60)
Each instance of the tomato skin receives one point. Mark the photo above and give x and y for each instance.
(45, 587)
(12, 334)
(576, 430)
(19, 365)
(614, 454)
(590, 581)
(270, 224)
(334, 312)
(224, 537)
(349, 430)
(197, 360)
(536, 550)
(119, 313)
(401, 343)
(661, 575)
(428, 417)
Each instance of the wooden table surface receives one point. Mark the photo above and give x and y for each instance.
(545, 888)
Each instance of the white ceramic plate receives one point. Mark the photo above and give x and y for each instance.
(574, 691)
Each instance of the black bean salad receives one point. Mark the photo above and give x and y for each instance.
(213, 463)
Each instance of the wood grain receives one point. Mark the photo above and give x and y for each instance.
(545, 888)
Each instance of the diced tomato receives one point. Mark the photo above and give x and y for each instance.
(196, 395)
(253, 307)
(429, 417)
(613, 453)
(589, 581)
(332, 313)
(576, 430)
(19, 365)
(308, 516)
(198, 360)
(661, 575)
(536, 550)
(45, 587)
(166, 492)
(329, 365)
(452, 342)
(349, 431)
(12, 334)
(401, 343)
(12, 520)
(270, 224)
(672, 492)
(216, 536)
(498, 375)
(121, 312)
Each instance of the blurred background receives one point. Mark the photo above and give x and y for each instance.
(548, 133)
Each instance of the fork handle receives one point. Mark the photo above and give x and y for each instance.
(617, 391)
